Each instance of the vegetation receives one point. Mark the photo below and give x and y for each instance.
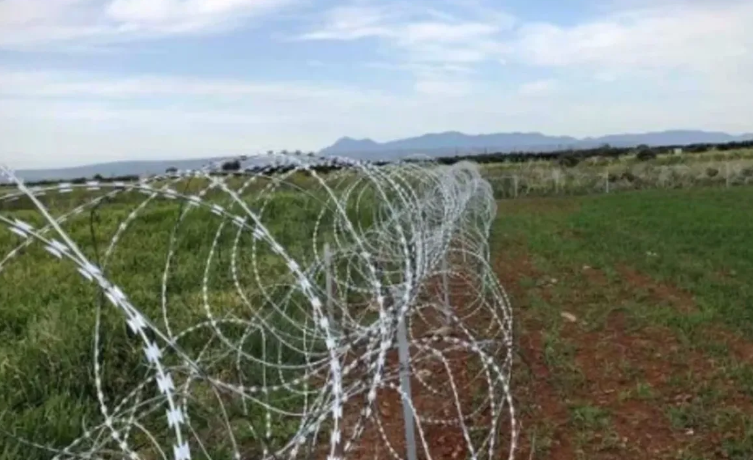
(634, 322)
(565, 158)
(637, 171)
(633, 310)
(47, 320)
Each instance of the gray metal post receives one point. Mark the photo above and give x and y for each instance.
(328, 278)
(446, 289)
(515, 182)
(405, 388)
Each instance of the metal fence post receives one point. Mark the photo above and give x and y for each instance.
(446, 288)
(329, 286)
(405, 388)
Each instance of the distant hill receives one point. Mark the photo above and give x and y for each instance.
(434, 144)
(120, 168)
(451, 142)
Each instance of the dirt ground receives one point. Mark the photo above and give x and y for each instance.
(594, 376)
(613, 393)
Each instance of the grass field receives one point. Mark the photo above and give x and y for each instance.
(47, 315)
(634, 317)
(635, 321)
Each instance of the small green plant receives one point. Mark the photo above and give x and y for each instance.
(589, 417)
(644, 390)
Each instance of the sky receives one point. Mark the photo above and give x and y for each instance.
(90, 81)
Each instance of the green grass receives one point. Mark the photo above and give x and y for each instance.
(698, 236)
(47, 315)
(688, 243)
(676, 260)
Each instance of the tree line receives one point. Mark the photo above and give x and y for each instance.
(565, 157)
(571, 157)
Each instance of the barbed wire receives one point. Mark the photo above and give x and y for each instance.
(291, 350)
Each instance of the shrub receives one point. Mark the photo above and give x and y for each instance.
(568, 160)
(646, 154)
(234, 165)
(712, 172)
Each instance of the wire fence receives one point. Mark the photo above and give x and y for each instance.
(297, 315)
(544, 180)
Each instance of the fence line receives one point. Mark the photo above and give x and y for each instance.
(554, 180)
(326, 274)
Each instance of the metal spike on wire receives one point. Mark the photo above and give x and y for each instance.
(292, 348)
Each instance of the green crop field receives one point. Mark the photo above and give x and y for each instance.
(634, 319)
(634, 322)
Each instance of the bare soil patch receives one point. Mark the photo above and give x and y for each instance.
(443, 391)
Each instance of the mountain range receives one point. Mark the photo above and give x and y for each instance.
(452, 142)
(433, 144)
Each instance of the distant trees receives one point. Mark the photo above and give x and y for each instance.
(645, 154)
(568, 160)
(564, 157)
(231, 166)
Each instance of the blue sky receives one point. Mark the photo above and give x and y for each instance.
(85, 81)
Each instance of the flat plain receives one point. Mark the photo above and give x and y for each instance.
(633, 310)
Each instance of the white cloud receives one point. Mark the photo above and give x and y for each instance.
(436, 46)
(25, 23)
(178, 15)
(439, 87)
(696, 37)
(538, 87)
(631, 39)
(420, 32)
(436, 37)
(352, 23)
(55, 84)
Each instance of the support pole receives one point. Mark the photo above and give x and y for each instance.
(329, 285)
(405, 389)
(446, 291)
